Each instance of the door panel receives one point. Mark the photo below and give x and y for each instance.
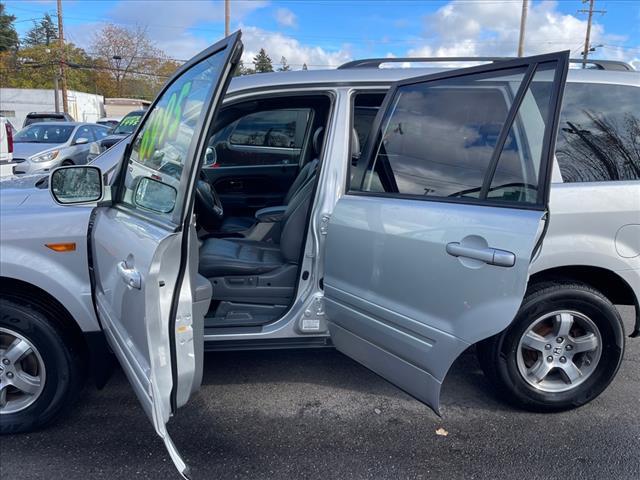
(430, 252)
(149, 296)
(243, 190)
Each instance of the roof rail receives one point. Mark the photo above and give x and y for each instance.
(376, 62)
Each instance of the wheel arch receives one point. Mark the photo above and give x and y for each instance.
(608, 282)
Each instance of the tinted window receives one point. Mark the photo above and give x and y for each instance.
(84, 132)
(599, 135)
(44, 134)
(270, 137)
(438, 138)
(100, 133)
(128, 124)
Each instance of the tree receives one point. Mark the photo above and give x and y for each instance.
(124, 52)
(43, 32)
(8, 35)
(304, 66)
(262, 62)
(284, 66)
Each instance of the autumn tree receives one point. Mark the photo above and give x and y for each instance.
(124, 52)
(284, 66)
(43, 32)
(8, 34)
(262, 62)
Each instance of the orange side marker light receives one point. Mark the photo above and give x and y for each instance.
(62, 247)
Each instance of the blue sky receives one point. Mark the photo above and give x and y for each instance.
(324, 33)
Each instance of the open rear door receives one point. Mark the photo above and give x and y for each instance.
(149, 297)
(428, 252)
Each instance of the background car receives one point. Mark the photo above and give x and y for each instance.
(125, 128)
(37, 117)
(109, 122)
(6, 147)
(43, 146)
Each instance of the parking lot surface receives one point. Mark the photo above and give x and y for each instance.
(319, 415)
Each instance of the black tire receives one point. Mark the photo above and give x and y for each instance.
(498, 354)
(67, 163)
(63, 366)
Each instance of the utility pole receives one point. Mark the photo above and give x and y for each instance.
(523, 23)
(63, 76)
(587, 40)
(227, 17)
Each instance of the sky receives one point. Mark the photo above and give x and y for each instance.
(327, 33)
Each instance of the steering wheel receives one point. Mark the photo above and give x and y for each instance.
(208, 204)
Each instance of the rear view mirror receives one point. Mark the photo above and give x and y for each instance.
(155, 195)
(81, 141)
(76, 184)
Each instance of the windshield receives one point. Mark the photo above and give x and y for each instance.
(128, 124)
(39, 133)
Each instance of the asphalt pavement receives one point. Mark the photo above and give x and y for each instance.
(319, 415)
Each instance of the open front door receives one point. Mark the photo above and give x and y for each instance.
(429, 250)
(149, 297)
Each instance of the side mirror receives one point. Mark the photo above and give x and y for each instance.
(155, 195)
(81, 141)
(77, 184)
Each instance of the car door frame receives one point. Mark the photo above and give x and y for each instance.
(541, 205)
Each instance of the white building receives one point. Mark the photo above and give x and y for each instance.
(16, 103)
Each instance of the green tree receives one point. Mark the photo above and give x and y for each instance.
(262, 62)
(8, 35)
(284, 66)
(43, 32)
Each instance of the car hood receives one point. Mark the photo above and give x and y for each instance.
(26, 150)
(14, 191)
(112, 139)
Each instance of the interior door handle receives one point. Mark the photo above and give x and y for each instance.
(488, 255)
(130, 276)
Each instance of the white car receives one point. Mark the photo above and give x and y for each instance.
(6, 147)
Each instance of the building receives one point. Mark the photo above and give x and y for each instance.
(119, 107)
(16, 103)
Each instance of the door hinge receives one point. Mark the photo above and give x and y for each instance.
(324, 223)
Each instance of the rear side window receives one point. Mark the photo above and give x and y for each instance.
(439, 139)
(599, 134)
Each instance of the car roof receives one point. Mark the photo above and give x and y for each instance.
(57, 124)
(47, 114)
(384, 76)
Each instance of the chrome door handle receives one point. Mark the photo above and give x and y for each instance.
(488, 255)
(130, 276)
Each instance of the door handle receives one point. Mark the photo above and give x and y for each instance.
(130, 276)
(488, 255)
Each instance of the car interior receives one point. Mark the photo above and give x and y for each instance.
(253, 200)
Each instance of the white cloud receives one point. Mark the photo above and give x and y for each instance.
(492, 29)
(286, 18)
(278, 45)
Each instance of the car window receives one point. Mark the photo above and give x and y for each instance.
(85, 131)
(99, 133)
(599, 134)
(437, 139)
(128, 124)
(39, 133)
(270, 137)
(161, 148)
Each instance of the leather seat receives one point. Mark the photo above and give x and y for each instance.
(239, 224)
(221, 257)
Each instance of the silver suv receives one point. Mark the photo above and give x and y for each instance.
(400, 215)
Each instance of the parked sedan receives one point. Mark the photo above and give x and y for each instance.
(43, 146)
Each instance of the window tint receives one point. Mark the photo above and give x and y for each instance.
(100, 133)
(44, 134)
(438, 140)
(270, 137)
(161, 148)
(84, 132)
(599, 134)
(275, 128)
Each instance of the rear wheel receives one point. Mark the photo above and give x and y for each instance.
(562, 350)
(40, 373)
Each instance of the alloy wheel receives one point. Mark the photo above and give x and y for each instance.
(559, 351)
(22, 372)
